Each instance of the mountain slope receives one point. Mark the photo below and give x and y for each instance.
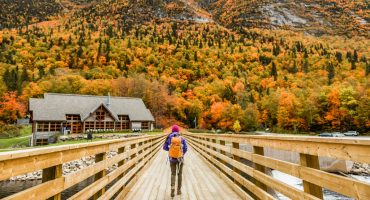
(312, 16)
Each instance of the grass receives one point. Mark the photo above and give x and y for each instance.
(19, 141)
(26, 131)
(13, 142)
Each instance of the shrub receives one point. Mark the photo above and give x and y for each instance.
(9, 131)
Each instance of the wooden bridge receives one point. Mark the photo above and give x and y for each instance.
(215, 168)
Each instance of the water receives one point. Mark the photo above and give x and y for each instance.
(8, 188)
(297, 183)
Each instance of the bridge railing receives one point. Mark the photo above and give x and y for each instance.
(251, 181)
(133, 155)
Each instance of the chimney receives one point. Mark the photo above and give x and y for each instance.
(108, 103)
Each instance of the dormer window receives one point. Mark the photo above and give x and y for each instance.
(100, 115)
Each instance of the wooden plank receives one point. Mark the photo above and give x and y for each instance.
(132, 182)
(258, 167)
(52, 173)
(47, 189)
(344, 149)
(120, 183)
(24, 161)
(85, 173)
(313, 162)
(41, 191)
(342, 185)
(97, 185)
(121, 151)
(238, 178)
(98, 158)
(199, 183)
(285, 189)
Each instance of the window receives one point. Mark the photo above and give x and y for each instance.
(41, 142)
(42, 126)
(89, 126)
(99, 125)
(54, 126)
(100, 115)
(118, 126)
(125, 125)
(124, 122)
(145, 125)
(73, 118)
(77, 128)
(74, 123)
(123, 118)
(109, 125)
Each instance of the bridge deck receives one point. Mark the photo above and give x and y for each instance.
(199, 181)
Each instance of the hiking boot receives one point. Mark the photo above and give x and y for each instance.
(172, 192)
(178, 191)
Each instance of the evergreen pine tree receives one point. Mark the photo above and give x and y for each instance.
(274, 71)
(80, 52)
(331, 73)
(24, 76)
(294, 69)
(355, 56)
(129, 43)
(339, 56)
(353, 65)
(305, 66)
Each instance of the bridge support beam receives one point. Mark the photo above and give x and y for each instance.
(313, 162)
(50, 174)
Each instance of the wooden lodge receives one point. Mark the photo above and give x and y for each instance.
(75, 114)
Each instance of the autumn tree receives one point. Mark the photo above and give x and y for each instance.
(11, 108)
(236, 126)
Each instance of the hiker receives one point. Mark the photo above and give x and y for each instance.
(176, 147)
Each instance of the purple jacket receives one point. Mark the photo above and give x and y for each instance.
(167, 144)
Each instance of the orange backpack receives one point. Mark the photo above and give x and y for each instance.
(175, 148)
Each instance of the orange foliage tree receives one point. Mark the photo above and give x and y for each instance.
(11, 108)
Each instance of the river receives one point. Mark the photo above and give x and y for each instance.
(297, 183)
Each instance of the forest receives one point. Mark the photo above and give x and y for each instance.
(185, 71)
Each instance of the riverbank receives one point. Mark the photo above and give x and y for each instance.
(362, 169)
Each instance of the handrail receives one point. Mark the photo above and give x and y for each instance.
(134, 154)
(226, 158)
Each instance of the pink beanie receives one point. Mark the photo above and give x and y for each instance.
(175, 128)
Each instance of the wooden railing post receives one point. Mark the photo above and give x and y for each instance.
(237, 158)
(98, 158)
(213, 148)
(313, 162)
(223, 143)
(50, 174)
(140, 151)
(258, 167)
(120, 163)
(133, 146)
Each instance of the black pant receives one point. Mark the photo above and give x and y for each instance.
(176, 168)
